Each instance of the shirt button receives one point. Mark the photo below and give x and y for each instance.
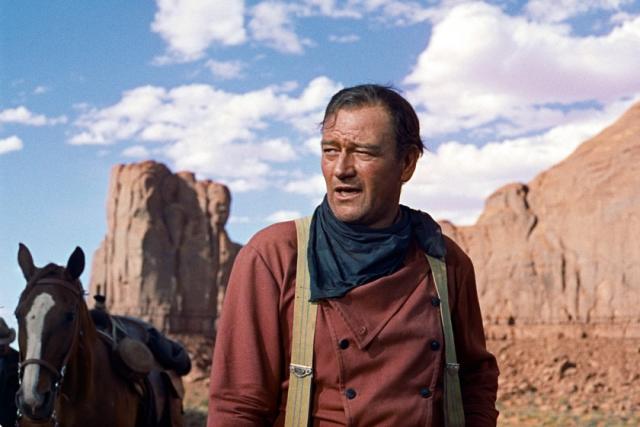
(362, 330)
(350, 393)
(435, 345)
(344, 344)
(435, 301)
(425, 392)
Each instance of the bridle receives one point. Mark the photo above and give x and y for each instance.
(58, 375)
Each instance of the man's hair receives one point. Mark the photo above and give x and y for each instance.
(404, 120)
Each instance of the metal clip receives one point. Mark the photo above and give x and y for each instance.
(453, 367)
(300, 371)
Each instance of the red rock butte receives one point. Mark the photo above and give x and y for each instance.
(561, 253)
(166, 256)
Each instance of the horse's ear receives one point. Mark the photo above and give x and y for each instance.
(75, 265)
(25, 260)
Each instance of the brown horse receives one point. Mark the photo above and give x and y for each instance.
(67, 378)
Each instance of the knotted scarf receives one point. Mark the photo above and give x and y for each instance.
(344, 256)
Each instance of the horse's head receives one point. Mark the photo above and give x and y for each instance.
(49, 325)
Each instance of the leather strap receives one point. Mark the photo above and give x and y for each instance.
(453, 409)
(52, 369)
(304, 326)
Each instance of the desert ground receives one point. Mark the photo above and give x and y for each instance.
(553, 382)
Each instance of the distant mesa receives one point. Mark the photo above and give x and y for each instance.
(563, 250)
(166, 256)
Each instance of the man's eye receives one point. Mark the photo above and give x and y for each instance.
(364, 153)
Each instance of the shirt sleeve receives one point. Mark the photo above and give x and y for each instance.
(478, 367)
(246, 369)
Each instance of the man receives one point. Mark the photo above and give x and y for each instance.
(8, 375)
(379, 346)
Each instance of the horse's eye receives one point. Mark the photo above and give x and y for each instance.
(70, 316)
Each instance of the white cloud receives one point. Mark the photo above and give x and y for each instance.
(312, 146)
(331, 9)
(348, 38)
(39, 90)
(212, 132)
(393, 12)
(621, 17)
(12, 143)
(561, 10)
(399, 12)
(226, 69)
(272, 24)
(136, 151)
(277, 150)
(189, 27)
(21, 115)
(312, 186)
(453, 182)
(482, 65)
(283, 215)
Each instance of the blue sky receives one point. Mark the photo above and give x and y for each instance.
(233, 91)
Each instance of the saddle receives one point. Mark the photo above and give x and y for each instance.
(151, 362)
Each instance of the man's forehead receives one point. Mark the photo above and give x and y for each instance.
(357, 123)
(374, 109)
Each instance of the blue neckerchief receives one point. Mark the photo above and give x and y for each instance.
(344, 256)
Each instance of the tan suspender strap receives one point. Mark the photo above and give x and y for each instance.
(453, 410)
(304, 326)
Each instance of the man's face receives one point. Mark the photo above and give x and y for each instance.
(361, 169)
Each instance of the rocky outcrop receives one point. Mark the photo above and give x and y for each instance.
(166, 256)
(563, 250)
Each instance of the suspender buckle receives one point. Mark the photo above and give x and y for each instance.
(453, 367)
(300, 371)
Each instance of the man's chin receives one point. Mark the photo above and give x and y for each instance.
(347, 216)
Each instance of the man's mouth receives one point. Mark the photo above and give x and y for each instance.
(346, 192)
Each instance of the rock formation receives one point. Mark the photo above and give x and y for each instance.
(563, 250)
(166, 256)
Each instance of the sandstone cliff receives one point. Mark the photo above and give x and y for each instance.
(166, 256)
(563, 249)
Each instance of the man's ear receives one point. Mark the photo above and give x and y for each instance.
(409, 162)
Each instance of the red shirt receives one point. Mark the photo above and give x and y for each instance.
(378, 351)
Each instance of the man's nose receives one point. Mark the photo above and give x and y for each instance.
(344, 167)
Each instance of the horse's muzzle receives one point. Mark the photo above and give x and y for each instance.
(39, 409)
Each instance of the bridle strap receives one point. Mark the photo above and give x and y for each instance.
(77, 291)
(67, 285)
(43, 363)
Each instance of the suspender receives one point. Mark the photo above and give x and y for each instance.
(304, 324)
(304, 327)
(453, 410)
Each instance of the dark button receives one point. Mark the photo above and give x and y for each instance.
(344, 344)
(435, 301)
(435, 345)
(425, 392)
(350, 393)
